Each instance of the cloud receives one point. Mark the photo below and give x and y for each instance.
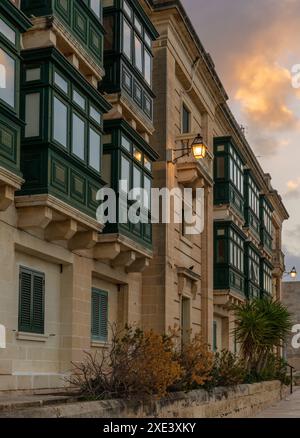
(293, 189)
(254, 47)
(264, 90)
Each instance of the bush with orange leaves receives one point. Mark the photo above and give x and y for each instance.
(196, 362)
(137, 364)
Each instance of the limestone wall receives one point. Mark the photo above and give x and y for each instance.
(238, 402)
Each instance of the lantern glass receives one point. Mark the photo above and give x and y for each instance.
(293, 273)
(199, 148)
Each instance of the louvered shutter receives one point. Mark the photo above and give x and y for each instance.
(95, 315)
(38, 303)
(25, 301)
(31, 301)
(99, 315)
(103, 316)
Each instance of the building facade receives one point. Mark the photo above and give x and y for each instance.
(102, 91)
(67, 132)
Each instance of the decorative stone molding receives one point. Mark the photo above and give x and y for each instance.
(187, 277)
(226, 298)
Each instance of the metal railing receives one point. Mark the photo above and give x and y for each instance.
(291, 377)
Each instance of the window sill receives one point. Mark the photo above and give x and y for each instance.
(21, 336)
(99, 344)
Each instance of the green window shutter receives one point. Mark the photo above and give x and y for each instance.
(38, 303)
(215, 341)
(99, 315)
(25, 301)
(31, 301)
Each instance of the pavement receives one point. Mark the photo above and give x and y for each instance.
(10, 403)
(287, 408)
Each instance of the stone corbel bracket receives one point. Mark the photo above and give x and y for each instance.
(58, 220)
(9, 183)
(122, 253)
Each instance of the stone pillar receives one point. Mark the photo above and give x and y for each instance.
(76, 289)
(207, 269)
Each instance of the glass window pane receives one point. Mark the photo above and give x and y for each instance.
(61, 82)
(33, 74)
(137, 154)
(95, 115)
(148, 40)
(60, 122)
(96, 7)
(32, 117)
(148, 67)
(78, 137)
(127, 41)
(108, 23)
(7, 78)
(95, 150)
(147, 164)
(138, 53)
(79, 100)
(186, 115)
(7, 31)
(221, 251)
(126, 144)
(106, 172)
(137, 177)
(138, 25)
(220, 167)
(147, 187)
(127, 9)
(125, 170)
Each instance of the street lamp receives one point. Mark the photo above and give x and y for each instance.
(198, 148)
(293, 273)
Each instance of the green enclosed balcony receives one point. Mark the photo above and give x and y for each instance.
(62, 140)
(266, 231)
(128, 158)
(12, 24)
(229, 176)
(252, 205)
(73, 26)
(252, 271)
(229, 267)
(128, 58)
(266, 282)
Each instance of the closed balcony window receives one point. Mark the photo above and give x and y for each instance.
(60, 122)
(95, 150)
(32, 119)
(127, 39)
(7, 78)
(138, 54)
(78, 137)
(95, 5)
(186, 120)
(7, 32)
(148, 67)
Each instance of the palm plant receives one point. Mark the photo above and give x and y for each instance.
(261, 325)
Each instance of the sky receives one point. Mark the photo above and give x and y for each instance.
(254, 45)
